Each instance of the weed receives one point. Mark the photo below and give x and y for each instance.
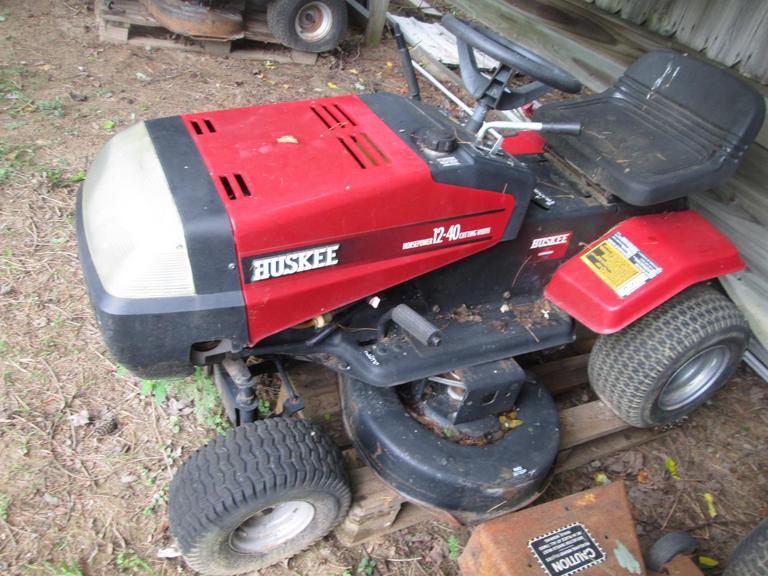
(13, 158)
(454, 547)
(201, 390)
(133, 563)
(198, 389)
(63, 569)
(158, 499)
(108, 124)
(157, 388)
(366, 567)
(52, 107)
(5, 502)
(174, 423)
(265, 407)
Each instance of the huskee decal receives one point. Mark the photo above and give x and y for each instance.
(289, 263)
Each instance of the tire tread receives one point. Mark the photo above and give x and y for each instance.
(624, 367)
(248, 463)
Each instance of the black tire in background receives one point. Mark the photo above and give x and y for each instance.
(256, 495)
(751, 555)
(667, 547)
(309, 25)
(664, 365)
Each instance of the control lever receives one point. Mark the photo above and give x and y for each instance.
(294, 402)
(413, 323)
(570, 128)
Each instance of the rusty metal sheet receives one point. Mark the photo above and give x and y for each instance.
(222, 22)
(679, 566)
(590, 533)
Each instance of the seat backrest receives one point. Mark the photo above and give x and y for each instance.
(671, 126)
(715, 95)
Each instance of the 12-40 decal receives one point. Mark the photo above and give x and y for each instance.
(443, 235)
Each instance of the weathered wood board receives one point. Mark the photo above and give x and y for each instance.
(128, 22)
(589, 431)
(734, 33)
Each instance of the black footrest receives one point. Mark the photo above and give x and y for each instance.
(469, 337)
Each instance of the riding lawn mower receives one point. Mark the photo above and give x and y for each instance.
(422, 261)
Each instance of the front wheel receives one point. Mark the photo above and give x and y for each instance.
(309, 25)
(672, 360)
(256, 495)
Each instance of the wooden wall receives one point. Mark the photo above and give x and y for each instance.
(732, 32)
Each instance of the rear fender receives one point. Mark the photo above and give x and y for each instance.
(638, 265)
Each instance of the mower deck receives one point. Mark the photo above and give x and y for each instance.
(588, 431)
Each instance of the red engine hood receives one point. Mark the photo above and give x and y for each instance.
(331, 175)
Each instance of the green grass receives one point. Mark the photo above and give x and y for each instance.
(454, 547)
(5, 503)
(60, 569)
(132, 563)
(366, 567)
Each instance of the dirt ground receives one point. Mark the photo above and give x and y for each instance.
(87, 450)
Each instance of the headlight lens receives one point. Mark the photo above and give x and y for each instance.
(132, 227)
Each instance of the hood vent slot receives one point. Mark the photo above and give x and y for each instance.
(231, 188)
(333, 117)
(202, 128)
(364, 150)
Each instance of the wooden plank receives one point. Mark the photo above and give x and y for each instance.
(586, 422)
(377, 18)
(601, 447)
(562, 375)
(425, 7)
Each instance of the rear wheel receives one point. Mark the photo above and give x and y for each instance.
(669, 362)
(751, 555)
(261, 493)
(309, 25)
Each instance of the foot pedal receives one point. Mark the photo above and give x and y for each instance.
(413, 323)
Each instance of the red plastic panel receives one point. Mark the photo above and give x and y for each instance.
(637, 266)
(524, 142)
(313, 174)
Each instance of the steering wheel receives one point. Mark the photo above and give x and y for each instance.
(508, 53)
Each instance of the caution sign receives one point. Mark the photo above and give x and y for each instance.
(567, 550)
(621, 265)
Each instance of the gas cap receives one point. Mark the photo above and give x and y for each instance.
(439, 139)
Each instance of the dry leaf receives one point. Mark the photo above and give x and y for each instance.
(332, 85)
(170, 552)
(643, 477)
(80, 419)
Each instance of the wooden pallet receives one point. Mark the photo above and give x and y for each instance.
(128, 22)
(588, 431)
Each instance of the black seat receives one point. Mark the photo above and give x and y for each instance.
(672, 125)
